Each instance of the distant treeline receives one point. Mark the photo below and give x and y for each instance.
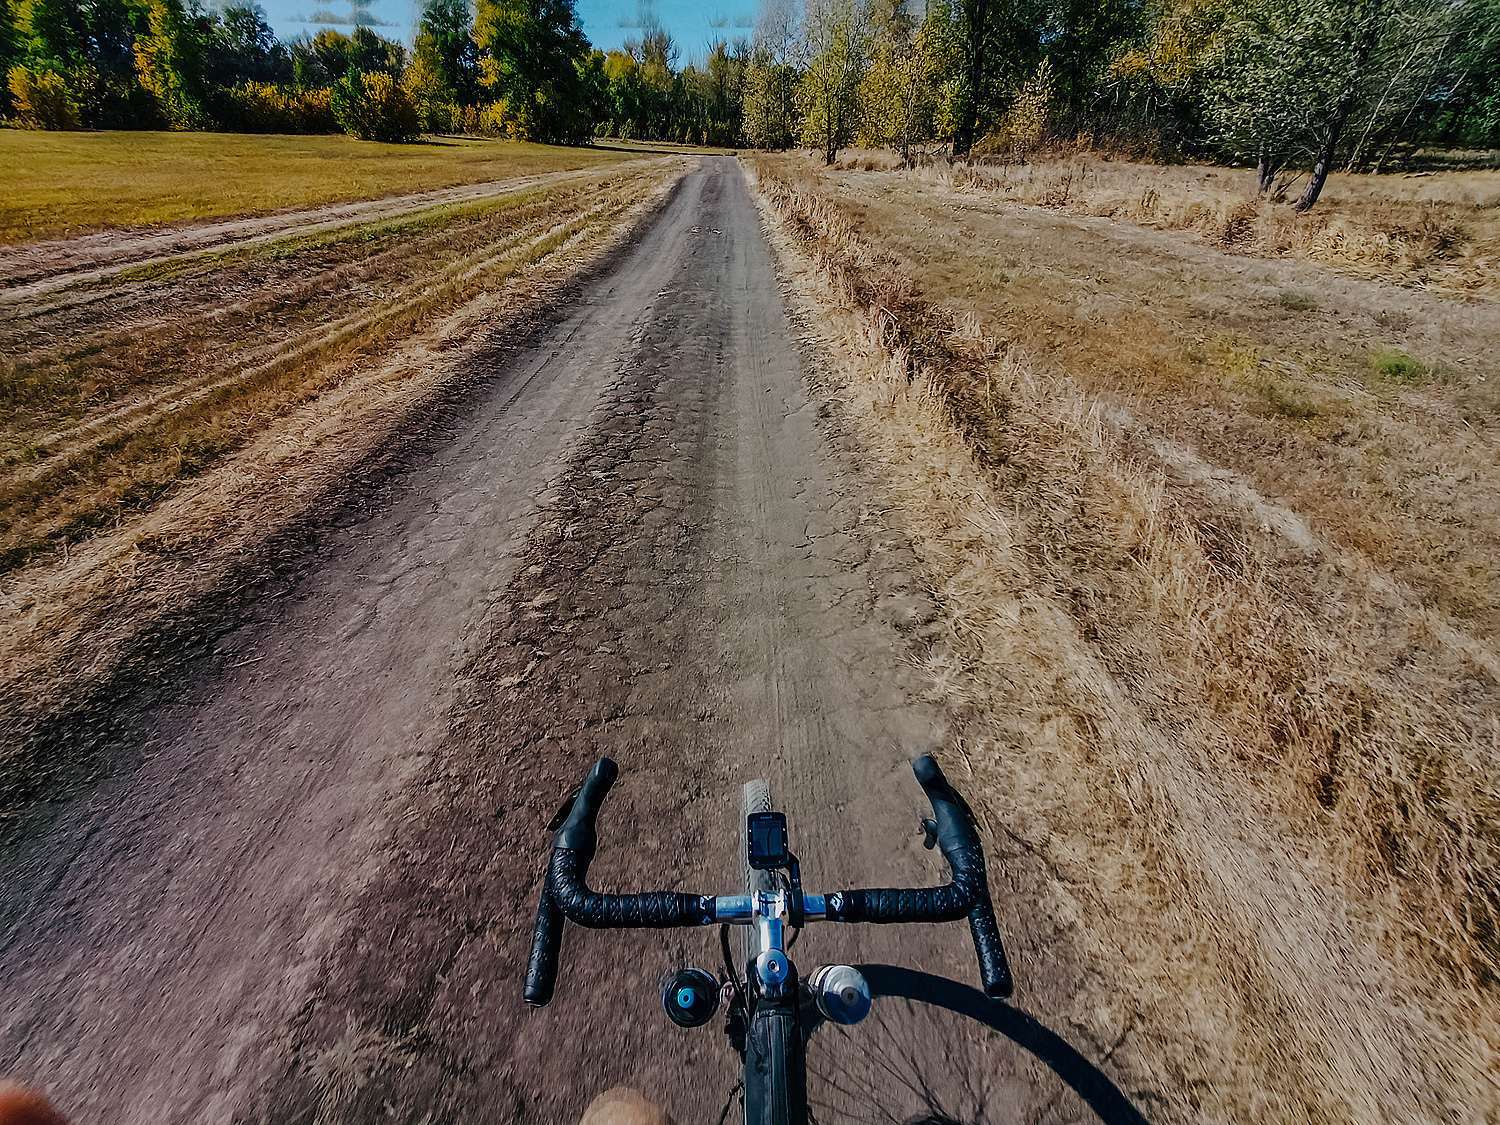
(1284, 84)
(521, 67)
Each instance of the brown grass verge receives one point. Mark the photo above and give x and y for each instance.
(1263, 777)
(1423, 230)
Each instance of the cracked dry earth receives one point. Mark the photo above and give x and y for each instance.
(310, 896)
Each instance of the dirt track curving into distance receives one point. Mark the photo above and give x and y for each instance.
(310, 898)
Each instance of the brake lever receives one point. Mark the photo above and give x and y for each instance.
(929, 833)
(796, 907)
(562, 813)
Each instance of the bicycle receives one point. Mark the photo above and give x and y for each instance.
(771, 1012)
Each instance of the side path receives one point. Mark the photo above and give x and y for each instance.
(32, 269)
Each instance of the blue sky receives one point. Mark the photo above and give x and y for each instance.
(608, 23)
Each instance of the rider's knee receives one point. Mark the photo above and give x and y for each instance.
(620, 1106)
(21, 1105)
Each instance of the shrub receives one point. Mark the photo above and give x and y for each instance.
(498, 119)
(43, 100)
(259, 107)
(373, 107)
(436, 109)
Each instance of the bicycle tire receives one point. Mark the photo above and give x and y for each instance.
(755, 797)
(775, 1071)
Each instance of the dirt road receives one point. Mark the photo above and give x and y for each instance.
(309, 896)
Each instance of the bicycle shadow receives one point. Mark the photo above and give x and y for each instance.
(1086, 1080)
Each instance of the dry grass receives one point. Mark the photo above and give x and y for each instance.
(1424, 229)
(106, 406)
(1264, 777)
(60, 184)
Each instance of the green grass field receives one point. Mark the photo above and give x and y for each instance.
(59, 184)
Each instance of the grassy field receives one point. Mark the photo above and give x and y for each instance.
(54, 185)
(107, 405)
(1425, 229)
(1214, 524)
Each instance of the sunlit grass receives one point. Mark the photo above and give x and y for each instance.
(59, 184)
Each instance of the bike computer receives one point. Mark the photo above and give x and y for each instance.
(766, 833)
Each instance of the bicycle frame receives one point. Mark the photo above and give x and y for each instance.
(777, 1016)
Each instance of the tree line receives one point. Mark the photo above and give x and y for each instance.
(1287, 85)
(521, 67)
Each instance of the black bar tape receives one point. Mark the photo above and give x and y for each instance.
(925, 904)
(960, 846)
(656, 910)
(994, 968)
(541, 974)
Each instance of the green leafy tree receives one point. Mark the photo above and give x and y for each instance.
(242, 48)
(834, 45)
(1285, 78)
(532, 53)
(445, 46)
(768, 100)
(1081, 38)
(1002, 44)
(53, 34)
(373, 107)
(902, 93)
(169, 63)
(363, 50)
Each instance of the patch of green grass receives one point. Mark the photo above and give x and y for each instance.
(60, 184)
(1398, 366)
(1245, 369)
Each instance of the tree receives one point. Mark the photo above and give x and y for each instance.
(1080, 38)
(532, 55)
(169, 63)
(834, 44)
(1286, 77)
(768, 97)
(243, 48)
(901, 95)
(53, 34)
(445, 47)
(364, 50)
(1002, 45)
(974, 26)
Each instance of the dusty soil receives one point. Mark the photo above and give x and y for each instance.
(303, 889)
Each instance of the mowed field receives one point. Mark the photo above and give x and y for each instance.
(56, 185)
(1208, 493)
